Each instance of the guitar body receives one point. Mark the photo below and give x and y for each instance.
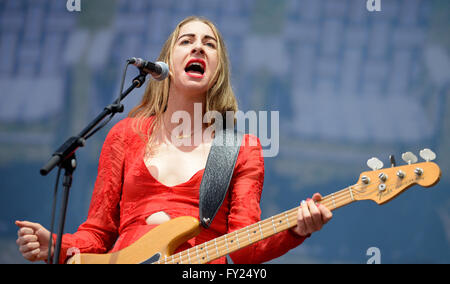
(161, 241)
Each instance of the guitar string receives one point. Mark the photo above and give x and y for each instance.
(336, 200)
(266, 228)
(340, 199)
(220, 241)
(224, 246)
(221, 245)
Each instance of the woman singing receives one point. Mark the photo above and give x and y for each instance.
(147, 177)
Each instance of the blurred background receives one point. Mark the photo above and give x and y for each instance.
(348, 83)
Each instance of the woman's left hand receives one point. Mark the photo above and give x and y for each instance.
(311, 216)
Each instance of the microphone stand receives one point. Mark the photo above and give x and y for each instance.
(64, 156)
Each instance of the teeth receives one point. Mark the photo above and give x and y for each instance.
(196, 63)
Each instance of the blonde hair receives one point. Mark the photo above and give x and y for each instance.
(219, 97)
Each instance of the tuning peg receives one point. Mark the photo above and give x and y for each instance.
(392, 160)
(409, 158)
(374, 163)
(427, 155)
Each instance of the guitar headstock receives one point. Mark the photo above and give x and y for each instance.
(382, 185)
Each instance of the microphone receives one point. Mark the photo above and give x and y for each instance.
(158, 70)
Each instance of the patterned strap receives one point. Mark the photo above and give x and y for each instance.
(219, 170)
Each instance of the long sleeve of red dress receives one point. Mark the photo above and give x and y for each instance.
(100, 230)
(125, 194)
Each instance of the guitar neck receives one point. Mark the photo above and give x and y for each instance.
(246, 236)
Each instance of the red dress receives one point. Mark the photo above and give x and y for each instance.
(125, 194)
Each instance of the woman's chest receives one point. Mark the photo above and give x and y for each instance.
(171, 165)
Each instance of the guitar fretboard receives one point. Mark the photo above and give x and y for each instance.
(246, 236)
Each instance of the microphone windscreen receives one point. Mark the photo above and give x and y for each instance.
(164, 71)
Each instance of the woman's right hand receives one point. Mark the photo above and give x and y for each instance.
(33, 240)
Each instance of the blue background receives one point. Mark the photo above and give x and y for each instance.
(349, 84)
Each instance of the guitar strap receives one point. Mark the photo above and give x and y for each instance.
(218, 172)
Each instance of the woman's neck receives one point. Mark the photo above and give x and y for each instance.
(184, 111)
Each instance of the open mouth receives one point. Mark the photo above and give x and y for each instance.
(195, 68)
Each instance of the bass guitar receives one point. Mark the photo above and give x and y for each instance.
(158, 245)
